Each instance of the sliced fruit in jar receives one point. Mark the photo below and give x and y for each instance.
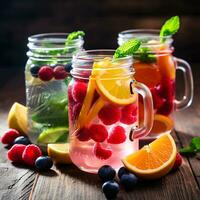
(148, 74)
(53, 135)
(154, 160)
(17, 118)
(59, 153)
(161, 124)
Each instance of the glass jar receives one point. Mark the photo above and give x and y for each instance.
(47, 76)
(156, 67)
(103, 110)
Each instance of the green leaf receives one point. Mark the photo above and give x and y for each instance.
(187, 150)
(128, 48)
(75, 35)
(145, 55)
(195, 142)
(170, 27)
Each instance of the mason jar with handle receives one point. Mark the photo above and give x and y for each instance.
(103, 110)
(155, 66)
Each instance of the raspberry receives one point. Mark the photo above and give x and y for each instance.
(83, 134)
(30, 154)
(178, 161)
(129, 114)
(15, 153)
(101, 152)
(9, 136)
(45, 73)
(167, 108)
(79, 91)
(76, 110)
(59, 73)
(98, 132)
(158, 101)
(109, 114)
(117, 135)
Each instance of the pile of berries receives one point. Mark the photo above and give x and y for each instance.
(23, 152)
(110, 186)
(46, 73)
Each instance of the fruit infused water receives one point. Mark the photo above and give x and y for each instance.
(102, 110)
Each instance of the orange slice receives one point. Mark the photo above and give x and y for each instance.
(148, 74)
(162, 124)
(154, 160)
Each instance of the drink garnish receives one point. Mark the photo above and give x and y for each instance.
(74, 35)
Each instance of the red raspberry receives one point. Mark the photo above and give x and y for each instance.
(79, 91)
(158, 101)
(30, 154)
(167, 108)
(9, 136)
(15, 153)
(76, 110)
(178, 161)
(129, 114)
(83, 134)
(117, 135)
(98, 132)
(45, 73)
(59, 73)
(109, 114)
(101, 152)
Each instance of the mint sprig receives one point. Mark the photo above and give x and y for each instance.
(192, 148)
(75, 35)
(127, 49)
(144, 54)
(170, 27)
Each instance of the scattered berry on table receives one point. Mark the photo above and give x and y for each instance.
(43, 162)
(79, 91)
(128, 181)
(110, 189)
(178, 161)
(9, 136)
(83, 134)
(22, 140)
(59, 73)
(45, 73)
(98, 132)
(106, 173)
(117, 135)
(129, 114)
(122, 171)
(34, 71)
(109, 114)
(30, 154)
(15, 153)
(101, 152)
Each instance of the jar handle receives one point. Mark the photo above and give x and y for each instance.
(188, 79)
(139, 132)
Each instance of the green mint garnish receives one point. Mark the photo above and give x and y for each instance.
(193, 148)
(144, 54)
(170, 27)
(75, 35)
(128, 48)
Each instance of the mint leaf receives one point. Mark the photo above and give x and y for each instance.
(196, 143)
(187, 150)
(170, 27)
(75, 35)
(144, 54)
(128, 48)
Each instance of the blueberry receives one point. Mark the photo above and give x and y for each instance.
(128, 181)
(110, 189)
(22, 140)
(34, 71)
(122, 171)
(106, 173)
(68, 67)
(44, 162)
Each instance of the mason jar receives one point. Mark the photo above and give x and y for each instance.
(103, 110)
(47, 74)
(156, 67)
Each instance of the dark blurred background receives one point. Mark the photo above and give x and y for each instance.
(100, 19)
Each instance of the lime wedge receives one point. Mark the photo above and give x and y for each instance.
(53, 135)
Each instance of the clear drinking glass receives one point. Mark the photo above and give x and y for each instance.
(103, 110)
(155, 66)
(47, 76)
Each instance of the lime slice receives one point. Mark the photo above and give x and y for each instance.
(53, 135)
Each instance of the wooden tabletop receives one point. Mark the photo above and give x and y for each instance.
(69, 183)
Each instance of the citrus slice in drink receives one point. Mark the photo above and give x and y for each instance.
(154, 160)
(148, 74)
(161, 124)
(59, 153)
